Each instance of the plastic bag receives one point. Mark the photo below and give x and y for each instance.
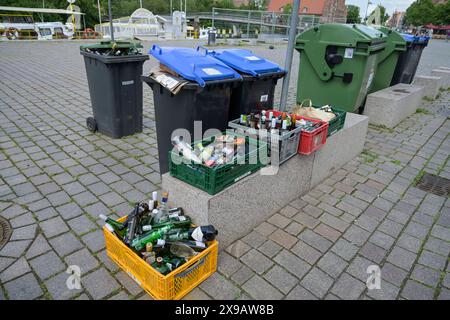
(313, 113)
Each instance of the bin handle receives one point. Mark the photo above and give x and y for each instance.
(204, 48)
(155, 46)
(192, 268)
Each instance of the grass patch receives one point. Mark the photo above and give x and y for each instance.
(418, 177)
(428, 99)
(423, 111)
(369, 156)
(397, 162)
(382, 127)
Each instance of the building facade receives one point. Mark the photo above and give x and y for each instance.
(330, 10)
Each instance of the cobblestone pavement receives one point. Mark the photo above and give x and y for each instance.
(56, 178)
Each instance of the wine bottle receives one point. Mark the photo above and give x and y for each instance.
(119, 233)
(140, 242)
(201, 234)
(161, 266)
(115, 224)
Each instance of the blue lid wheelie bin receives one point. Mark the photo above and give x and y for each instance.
(408, 60)
(206, 97)
(260, 77)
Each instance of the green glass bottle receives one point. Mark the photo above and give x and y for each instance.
(161, 266)
(119, 233)
(182, 222)
(140, 242)
(202, 234)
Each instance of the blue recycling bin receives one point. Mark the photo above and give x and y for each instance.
(260, 77)
(408, 60)
(205, 98)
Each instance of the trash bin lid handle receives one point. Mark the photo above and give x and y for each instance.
(155, 46)
(204, 48)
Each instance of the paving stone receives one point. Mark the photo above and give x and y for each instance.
(444, 294)
(270, 248)
(281, 279)
(317, 282)
(196, 294)
(334, 222)
(58, 198)
(23, 220)
(53, 227)
(356, 235)
(332, 264)
(242, 275)
(65, 244)
(386, 292)
(401, 258)
(39, 246)
(409, 243)
(24, 233)
(417, 230)
(265, 229)
(260, 289)
(358, 268)
(85, 198)
(288, 211)
(81, 225)
(100, 284)
(24, 288)
(345, 249)
(294, 228)
(315, 240)
(227, 265)
(446, 281)
(382, 240)
(83, 259)
(348, 288)
(107, 262)
(291, 263)
(57, 287)
(432, 260)
(279, 220)
(46, 214)
(300, 293)
(327, 232)
(366, 222)
(220, 288)
(5, 263)
(257, 261)
(441, 232)
(238, 249)
(15, 248)
(373, 252)
(283, 238)
(128, 283)
(47, 265)
(16, 269)
(254, 239)
(13, 211)
(306, 252)
(416, 291)
(306, 220)
(390, 227)
(375, 213)
(426, 275)
(69, 211)
(437, 246)
(94, 240)
(393, 274)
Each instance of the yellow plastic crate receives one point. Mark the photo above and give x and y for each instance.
(173, 286)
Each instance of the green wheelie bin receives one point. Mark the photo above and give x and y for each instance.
(387, 60)
(338, 64)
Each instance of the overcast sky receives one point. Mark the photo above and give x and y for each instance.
(390, 5)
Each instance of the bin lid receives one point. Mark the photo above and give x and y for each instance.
(409, 37)
(193, 65)
(346, 35)
(246, 61)
(110, 44)
(394, 42)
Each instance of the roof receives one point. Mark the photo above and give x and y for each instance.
(432, 26)
(40, 10)
(313, 6)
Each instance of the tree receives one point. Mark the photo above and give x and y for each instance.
(287, 9)
(442, 14)
(353, 14)
(420, 13)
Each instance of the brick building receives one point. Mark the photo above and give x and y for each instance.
(330, 10)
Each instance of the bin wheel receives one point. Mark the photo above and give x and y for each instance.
(91, 124)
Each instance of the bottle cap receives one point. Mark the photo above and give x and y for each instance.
(155, 195)
(159, 259)
(160, 242)
(147, 228)
(149, 247)
(155, 211)
(103, 217)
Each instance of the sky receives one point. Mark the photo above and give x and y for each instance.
(390, 5)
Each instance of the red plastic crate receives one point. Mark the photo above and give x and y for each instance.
(309, 141)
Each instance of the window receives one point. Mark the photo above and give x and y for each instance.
(305, 9)
(45, 32)
(58, 30)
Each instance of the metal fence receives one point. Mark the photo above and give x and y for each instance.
(252, 23)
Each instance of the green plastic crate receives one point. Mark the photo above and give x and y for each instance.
(214, 180)
(337, 123)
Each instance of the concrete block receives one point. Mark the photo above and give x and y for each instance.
(430, 84)
(444, 74)
(390, 106)
(244, 205)
(340, 148)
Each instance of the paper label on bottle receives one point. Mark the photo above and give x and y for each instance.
(173, 215)
(197, 234)
(264, 98)
(200, 244)
(182, 218)
(348, 53)
(211, 71)
(252, 58)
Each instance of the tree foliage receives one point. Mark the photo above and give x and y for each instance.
(423, 12)
(353, 14)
